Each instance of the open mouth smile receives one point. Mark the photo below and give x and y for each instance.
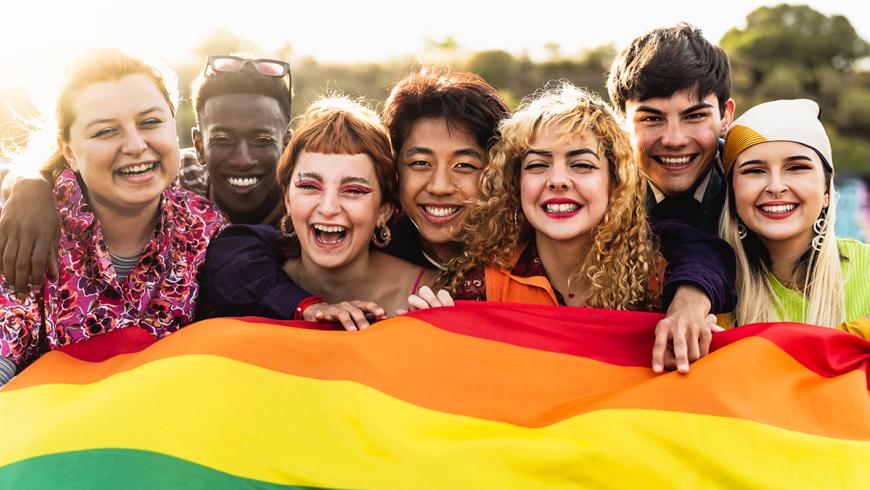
(329, 235)
(777, 210)
(561, 208)
(440, 214)
(676, 163)
(138, 170)
(243, 182)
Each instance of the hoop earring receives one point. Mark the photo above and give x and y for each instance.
(819, 229)
(382, 236)
(282, 227)
(741, 229)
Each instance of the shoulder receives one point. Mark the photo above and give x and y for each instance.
(396, 264)
(254, 234)
(857, 263)
(854, 249)
(188, 204)
(857, 255)
(244, 245)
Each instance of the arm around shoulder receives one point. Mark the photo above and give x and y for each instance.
(698, 258)
(244, 275)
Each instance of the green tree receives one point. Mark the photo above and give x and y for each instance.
(793, 51)
(795, 34)
(497, 67)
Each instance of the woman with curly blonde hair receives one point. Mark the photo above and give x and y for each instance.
(561, 213)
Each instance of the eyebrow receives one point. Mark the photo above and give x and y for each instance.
(261, 130)
(570, 153)
(106, 120)
(468, 152)
(359, 180)
(346, 180)
(310, 175)
(793, 158)
(696, 107)
(462, 152)
(419, 149)
(582, 151)
(542, 153)
(796, 158)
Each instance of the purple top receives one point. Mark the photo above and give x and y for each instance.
(244, 274)
(159, 294)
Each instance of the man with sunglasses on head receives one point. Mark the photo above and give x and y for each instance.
(242, 109)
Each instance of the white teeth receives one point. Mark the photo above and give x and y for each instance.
(243, 181)
(441, 212)
(778, 209)
(329, 229)
(561, 208)
(138, 169)
(675, 161)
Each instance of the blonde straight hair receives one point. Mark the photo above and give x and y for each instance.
(825, 302)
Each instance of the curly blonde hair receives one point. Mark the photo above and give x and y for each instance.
(623, 262)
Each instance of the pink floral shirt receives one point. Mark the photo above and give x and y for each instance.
(87, 299)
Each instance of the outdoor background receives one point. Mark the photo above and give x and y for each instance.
(361, 48)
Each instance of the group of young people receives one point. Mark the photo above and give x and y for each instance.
(352, 217)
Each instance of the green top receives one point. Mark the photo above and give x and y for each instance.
(856, 284)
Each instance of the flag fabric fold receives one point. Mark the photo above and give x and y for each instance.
(480, 395)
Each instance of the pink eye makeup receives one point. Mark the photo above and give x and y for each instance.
(308, 184)
(357, 189)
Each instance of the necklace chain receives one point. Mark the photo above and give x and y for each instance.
(432, 261)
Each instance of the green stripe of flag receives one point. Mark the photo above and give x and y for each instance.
(120, 468)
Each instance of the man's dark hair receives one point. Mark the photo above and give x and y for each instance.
(245, 81)
(665, 61)
(463, 99)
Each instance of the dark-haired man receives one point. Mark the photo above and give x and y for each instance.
(673, 88)
(242, 110)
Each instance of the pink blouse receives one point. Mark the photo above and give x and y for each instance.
(87, 299)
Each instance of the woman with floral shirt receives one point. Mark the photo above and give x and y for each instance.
(130, 245)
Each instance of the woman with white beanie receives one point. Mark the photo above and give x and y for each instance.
(779, 218)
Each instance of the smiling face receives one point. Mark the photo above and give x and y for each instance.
(240, 140)
(779, 191)
(123, 143)
(676, 138)
(335, 203)
(439, 173)
(564, 185)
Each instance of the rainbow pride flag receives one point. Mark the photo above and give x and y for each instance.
(477, 396)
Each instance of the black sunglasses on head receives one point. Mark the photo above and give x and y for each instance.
(227, 63)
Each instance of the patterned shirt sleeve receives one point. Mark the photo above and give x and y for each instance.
(19, 326)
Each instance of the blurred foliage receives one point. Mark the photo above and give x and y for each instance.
(784, 51)
(793, 51)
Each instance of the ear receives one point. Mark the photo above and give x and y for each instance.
(69, 156)
(196, 136)
(385, 213)
(827, 201)
(287, 202)
(287, 136)
(727, 117)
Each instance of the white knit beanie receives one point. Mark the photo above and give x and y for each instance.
(779, 120)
